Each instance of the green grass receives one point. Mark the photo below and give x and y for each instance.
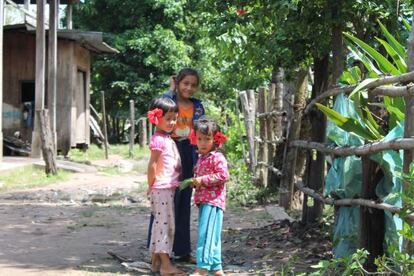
(29, 177)
(96, 153)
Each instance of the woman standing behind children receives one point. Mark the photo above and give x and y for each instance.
(182, 88)
(211, 173)
(164, 168)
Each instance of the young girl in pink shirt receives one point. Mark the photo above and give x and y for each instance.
(164, 168)
(211, 173)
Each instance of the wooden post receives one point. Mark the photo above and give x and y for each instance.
(408, 246)
(150, 130)
(249, 111)
(143, 132)
(289, 164)
(40, 75)
(69, 10)
(240, 128)
(275, 127)
(372, 221)
(104, 124)
(52, 68)
(46, 138)
(1, 77)
(262, 156)
(26, 7)
(132, 131)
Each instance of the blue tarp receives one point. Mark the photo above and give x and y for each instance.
(344, 181)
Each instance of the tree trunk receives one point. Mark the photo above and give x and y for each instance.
(289, 164)
(316, 161)
(337, 42)
(47, 142)
(372, 221)
(408, 246)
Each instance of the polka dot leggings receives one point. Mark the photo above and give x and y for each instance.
(162, 234)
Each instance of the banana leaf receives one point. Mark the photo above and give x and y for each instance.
(362, 86)
(393, 42)
(383, 63)
(347, 124)
(351, 76)
(372, 69)
(395, 107)
(398, 60)
(406, 24)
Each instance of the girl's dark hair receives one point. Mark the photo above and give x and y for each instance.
(165, 104)
(206, 126)
(187, 72)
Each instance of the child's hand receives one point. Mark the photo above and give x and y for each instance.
(173, 84)
(197, 182)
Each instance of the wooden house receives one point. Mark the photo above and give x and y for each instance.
(74, 52)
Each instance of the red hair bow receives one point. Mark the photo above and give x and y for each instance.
(155, 115)
(192, 137)
(219, 138)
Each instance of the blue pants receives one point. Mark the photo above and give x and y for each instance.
(210, 222)
(182, 201)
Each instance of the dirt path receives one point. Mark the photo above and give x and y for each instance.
(68, 228)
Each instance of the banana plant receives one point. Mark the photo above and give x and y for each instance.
(376, 65)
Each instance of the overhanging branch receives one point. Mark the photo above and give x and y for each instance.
(396, 144)
(355, 201)
(404, 78)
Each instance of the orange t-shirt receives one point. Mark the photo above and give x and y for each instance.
(184, 122)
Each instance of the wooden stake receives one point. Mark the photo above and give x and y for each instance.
(150, 130)
(143, 132)
(249, 111)
(69, 10)
(132, 130)
(104, 124)
(262, 156)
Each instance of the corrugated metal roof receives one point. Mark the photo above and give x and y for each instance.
(92, 41)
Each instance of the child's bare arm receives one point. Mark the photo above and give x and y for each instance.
(152, 167)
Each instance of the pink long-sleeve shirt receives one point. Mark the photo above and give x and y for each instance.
(212, 168)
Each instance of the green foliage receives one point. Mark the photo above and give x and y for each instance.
(150, 36)
(348, 266)
(377, 64)
(351, 125)
(241, 190)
